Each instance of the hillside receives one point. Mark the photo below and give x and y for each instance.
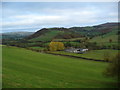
(53, 33)
(28, 69)
(95, 30)
(91, 37)
(105, 39)
(48, 34)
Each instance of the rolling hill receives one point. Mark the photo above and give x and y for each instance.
(48, 34)
(74, 36)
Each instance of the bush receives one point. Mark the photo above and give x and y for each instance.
(113, 68)
(107, 57)
(68, 44)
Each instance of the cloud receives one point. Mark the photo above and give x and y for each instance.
(60, 16)
(32, 20)
(50, 16)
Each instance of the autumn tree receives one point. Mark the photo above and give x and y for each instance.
(55, 46)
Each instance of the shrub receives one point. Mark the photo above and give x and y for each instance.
(107, 57)
(113, 68)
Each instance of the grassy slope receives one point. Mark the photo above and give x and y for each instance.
(37, 48)
(73, 39)
(47, 36)
(24, 68)
(105, 39)
(94, 54)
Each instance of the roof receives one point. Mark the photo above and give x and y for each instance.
(75, 49)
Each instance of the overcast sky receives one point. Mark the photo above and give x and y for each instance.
(32, 16)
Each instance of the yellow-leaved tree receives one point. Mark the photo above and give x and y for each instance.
(54, 46)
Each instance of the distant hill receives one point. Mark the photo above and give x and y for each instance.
(48, 34)
(95, 30)
(15, 35)
(107, 25)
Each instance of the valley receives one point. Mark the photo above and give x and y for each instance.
(40, 60)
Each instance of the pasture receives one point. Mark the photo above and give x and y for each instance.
(36, 48)
(104, 39)
(93, 54)
(46, 37)
(27, 69)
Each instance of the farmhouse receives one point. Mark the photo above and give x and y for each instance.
(76, 50)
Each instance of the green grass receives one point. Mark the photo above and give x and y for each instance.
(93, 54)
(47, 37)
(72, 39)
(37, 48)
(104, 40)
(100, 39)
(27, 69)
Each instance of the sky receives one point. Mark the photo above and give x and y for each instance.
(32, 16)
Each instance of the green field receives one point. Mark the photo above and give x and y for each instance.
(93, 54)
(72, 39)
(27, 69)
(37, 48)
(47, 37)
(104, 40)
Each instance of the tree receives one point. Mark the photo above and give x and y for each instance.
(113, 68)
(60, 46)
(54, 46)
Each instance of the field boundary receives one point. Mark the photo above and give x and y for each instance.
(78, 57)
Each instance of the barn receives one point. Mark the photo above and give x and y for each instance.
(76, 50)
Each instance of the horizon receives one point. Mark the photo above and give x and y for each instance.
(53, 27)
(32, 16)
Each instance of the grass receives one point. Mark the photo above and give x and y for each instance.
(104, 40)
(93, 54)
(37, 48)
(47, 37)
(72, 39)
(27, 69)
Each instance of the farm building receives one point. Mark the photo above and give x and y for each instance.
(76, 50)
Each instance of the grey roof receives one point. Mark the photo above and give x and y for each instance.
(73, 49)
